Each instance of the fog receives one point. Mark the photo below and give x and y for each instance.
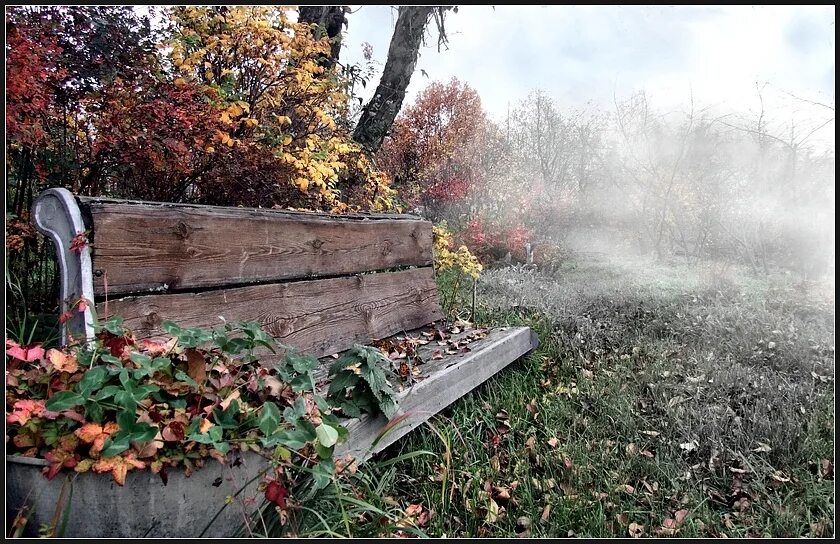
(693, 184)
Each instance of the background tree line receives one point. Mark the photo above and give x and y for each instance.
(693, 183)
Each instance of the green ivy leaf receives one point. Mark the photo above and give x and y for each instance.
(327, 436)
(227, 418)
(110, 359)
(116, 444)
(140, 359)
(124, 399)
(114, 325)
(94, 412)
(92, 380)
(143, 432)
(323, 451)
(303, 382)
(269, 418)
(63, 400)
(182, 377)
(323, 473)
(106, 392)
(293, 439)
(302, 363)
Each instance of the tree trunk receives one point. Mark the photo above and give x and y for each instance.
(378, 115)
(330, 19)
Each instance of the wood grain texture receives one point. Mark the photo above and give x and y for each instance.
(448, 380)
(318, 316)
(140, 247)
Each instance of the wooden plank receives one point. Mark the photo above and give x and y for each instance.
(318, 316)
(138, 247)
(448, 380)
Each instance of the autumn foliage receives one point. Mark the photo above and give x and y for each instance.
(430, 151)
(227, 105)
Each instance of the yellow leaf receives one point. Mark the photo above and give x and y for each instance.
(118, 466)
(180, 82)
(287, 139)
(205, 426)
(62, 361)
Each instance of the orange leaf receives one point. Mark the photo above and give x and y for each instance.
(24, 410)
(93, 433)
(205, 426)
(63, 362)
(118, 466)
(155, 349)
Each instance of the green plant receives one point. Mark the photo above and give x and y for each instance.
(359, 383)
(119, 404)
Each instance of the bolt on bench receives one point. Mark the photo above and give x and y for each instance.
(314, 281)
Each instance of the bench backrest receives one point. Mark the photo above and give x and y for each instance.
(315, 281)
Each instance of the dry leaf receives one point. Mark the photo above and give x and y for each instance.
(205, 426)
(827, 469)
(492, 511)
(118, 466)
(553, 442)
(230, 398)
(93, 433)
(636, 530)
(196, 365)
(690, 446)
(545, 513)
(62, 362)
(762, 448)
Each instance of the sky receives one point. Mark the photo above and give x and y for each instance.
(583, 55)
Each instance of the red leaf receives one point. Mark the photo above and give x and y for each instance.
(276, 493)
(28, 353)
(78, 242)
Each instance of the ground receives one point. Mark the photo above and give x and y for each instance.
(665, 399)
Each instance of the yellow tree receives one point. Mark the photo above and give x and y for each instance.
(274, 96)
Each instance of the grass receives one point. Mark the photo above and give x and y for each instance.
(658, 394)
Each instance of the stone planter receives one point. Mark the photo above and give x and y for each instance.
(144, 507)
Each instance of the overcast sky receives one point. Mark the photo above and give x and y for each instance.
(586, 53)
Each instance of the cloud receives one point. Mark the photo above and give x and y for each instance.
(579, 54)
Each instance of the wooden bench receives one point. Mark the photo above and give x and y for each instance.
(315, 281)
